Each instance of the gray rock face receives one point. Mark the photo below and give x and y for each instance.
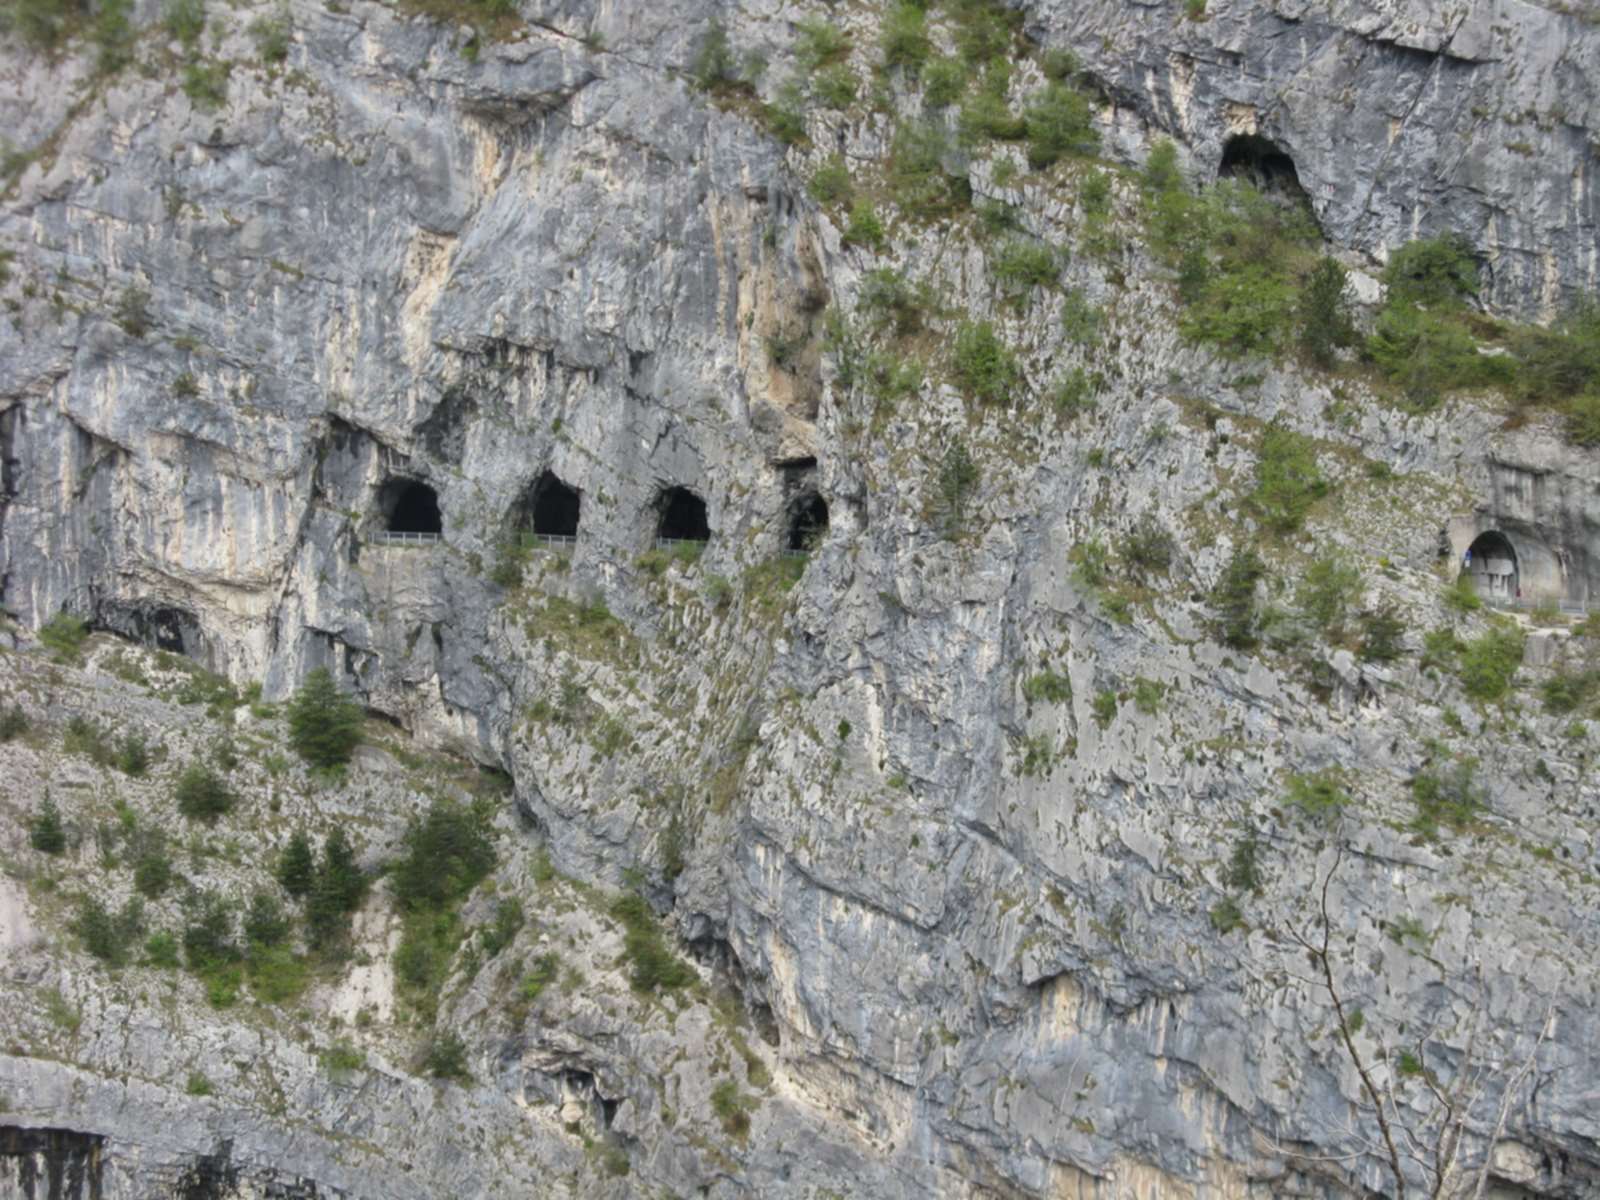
(1404, 118)
(980, 918)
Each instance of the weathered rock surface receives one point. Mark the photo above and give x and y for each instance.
(977, 926)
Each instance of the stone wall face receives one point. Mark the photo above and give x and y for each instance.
(979, 925)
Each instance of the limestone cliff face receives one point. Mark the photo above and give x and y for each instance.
(974, 917)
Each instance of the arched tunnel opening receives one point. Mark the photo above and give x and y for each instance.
(808, 523)
(410, 506)
(1262, 163)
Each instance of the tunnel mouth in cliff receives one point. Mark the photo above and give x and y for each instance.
(410, 506)
(808, 523)
(682, 517)
(1491, 563)
(1264, 164)
(549, 508)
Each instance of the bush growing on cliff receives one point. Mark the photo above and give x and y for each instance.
(63, 635)
(109, 936)
(904, 38)
(202, 795)
(1057, 125)
(445, 854)
(297, 865)
(46, 833)
(984, 365)
(1488, 662)
(1322, 313)
(1320, 796)
(655, 966)
(324, 723)
(1288, 481)
(955, 479)
(916, 175)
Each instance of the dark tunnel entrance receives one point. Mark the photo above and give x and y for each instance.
(808, 523)
(551, 509)
(410, 506)
(1262, 163)
(683, 517)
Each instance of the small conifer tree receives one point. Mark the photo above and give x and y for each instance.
(297, 868)
(46, 833)
(324, 723)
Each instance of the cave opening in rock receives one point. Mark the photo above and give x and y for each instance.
(683, 517)
(410, 506)
(1491, 563)
(808, 523)
(1261, 162)
(550, 509)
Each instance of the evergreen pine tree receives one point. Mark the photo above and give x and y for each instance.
(46, 833)
(324, 723)
(297, 869)
(1324, 316)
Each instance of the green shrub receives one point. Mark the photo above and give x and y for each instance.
(1226, 915)
(1288, 481)
(1049, 687)
(546, 970)
(1441, 649)
(1565, 691)
(109, 936)
(731, 1108)
(830, 183)
(904, 38)
(1243, 311)
(202, 795)
(297, 865)
(1061, 66)
(337, 891)
(1452, 797)
(785, 115)
(265, 923)
(208, 934)
(1244, 871)
(1583, 419)
(13, 723)
(1489, 662)
(46, 833)
(198, 1084)
(955, 480)
(1233, 599)
(206, 85)
(324, 723)
(271, 36)
(63, 635)
(1462, 595)
(1073, 393)
(654, 965)
(1148, 549)
(714, 68)
(1437, 272)
(943, 81)
(509, 918)
(864, 228)
(161, 950)
(133, 756)
(984, 365)
(184, 20)
(1328, 592)
(1023, 263)
(836, 86)
(819, 43)
(1147, 695)
(1320, 796)
(916, 173)
(889, 302)
(446, 1058)
(342, 1058)
(152, 869)
(1080, 320)
(986, 116)
(1322, 313)
(445, 853)
(1104, 707)
(1427, 354)
(1057, 125)
(1161, 172)
(1089, 564)
(1381, 634)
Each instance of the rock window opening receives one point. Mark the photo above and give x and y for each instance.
(410, 511)
(683, 518)
(808, 523)
(1491, 563)
(1262, 163)
(549, 513)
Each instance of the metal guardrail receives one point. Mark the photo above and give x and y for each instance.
(666, 543)
(552, 541)
(1570, 608)
(402, 537)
